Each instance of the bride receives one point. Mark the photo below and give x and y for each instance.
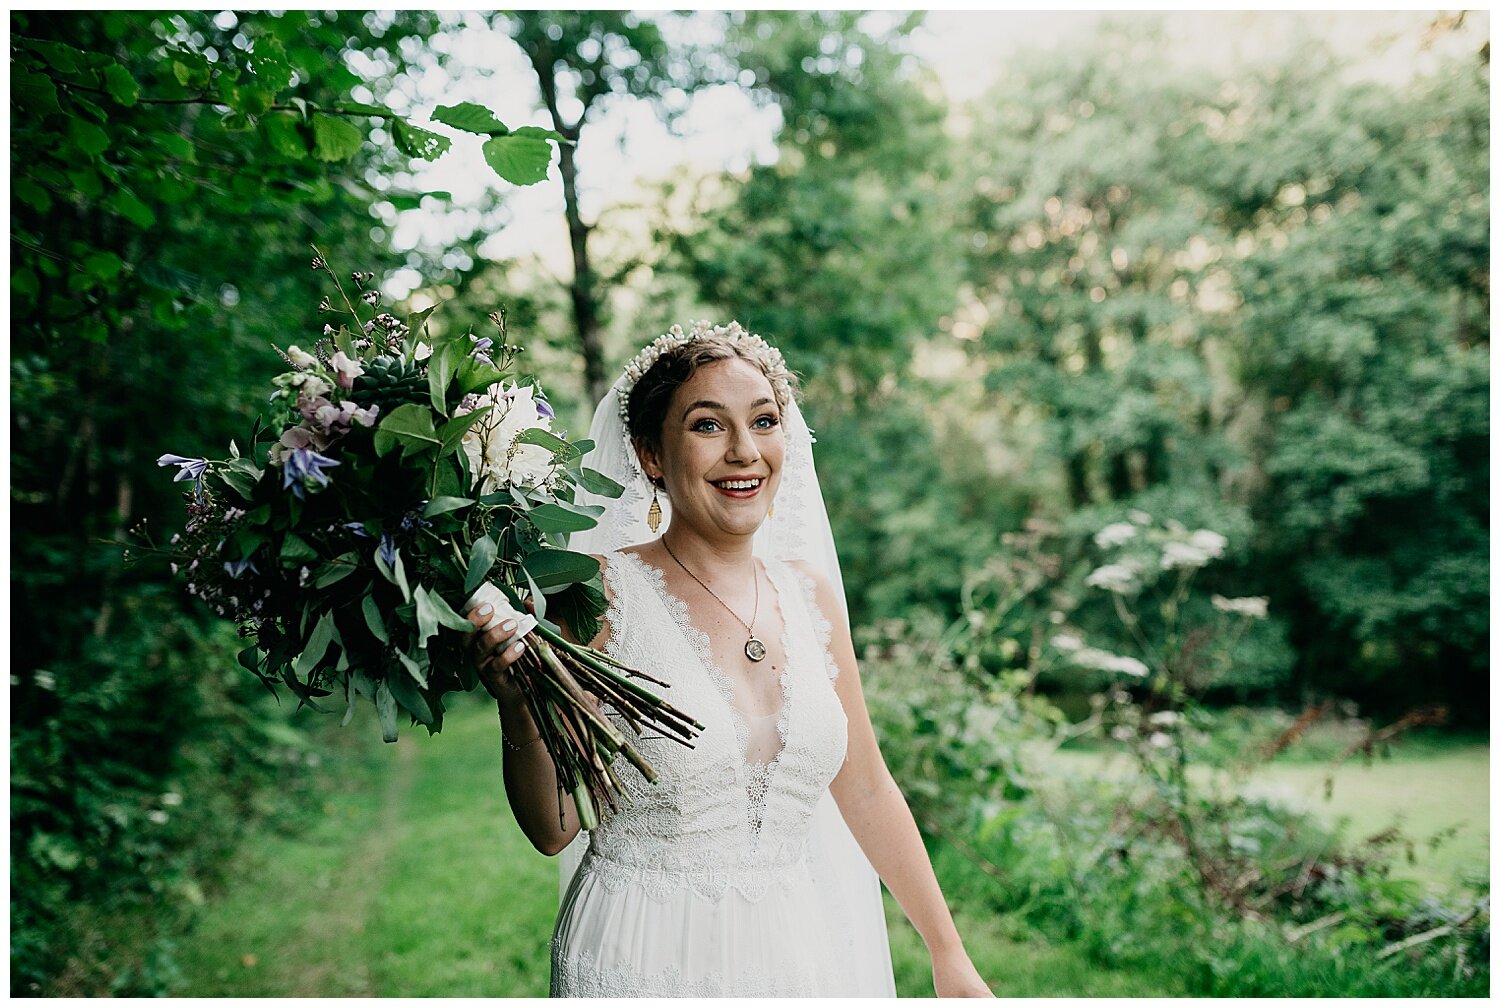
(749, 867)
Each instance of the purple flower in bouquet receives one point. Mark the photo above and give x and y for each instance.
(235, 568)
(187, 468)
(387, 549)
(304, 465)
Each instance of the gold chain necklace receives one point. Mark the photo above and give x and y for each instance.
(755, 650)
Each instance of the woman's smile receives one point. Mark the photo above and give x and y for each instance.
(739, 488)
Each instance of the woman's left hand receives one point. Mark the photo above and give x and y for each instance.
(956, 977)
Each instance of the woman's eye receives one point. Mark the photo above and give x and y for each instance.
(768, 421)
(706, 425)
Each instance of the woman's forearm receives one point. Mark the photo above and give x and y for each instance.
(880, 819)
(531, 782)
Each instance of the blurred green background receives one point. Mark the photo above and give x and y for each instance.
(1151, 397)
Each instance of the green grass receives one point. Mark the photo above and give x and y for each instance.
(1435, 793)
(412, 879)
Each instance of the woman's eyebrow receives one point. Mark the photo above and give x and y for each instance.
(710, 404)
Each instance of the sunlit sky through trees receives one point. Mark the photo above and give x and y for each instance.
(626, 150)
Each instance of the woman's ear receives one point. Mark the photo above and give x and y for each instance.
(650, 460)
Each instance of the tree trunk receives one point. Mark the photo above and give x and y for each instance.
(582, 290)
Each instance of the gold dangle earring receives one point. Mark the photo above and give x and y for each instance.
(653, 514)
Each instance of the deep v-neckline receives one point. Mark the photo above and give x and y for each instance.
(757, 776)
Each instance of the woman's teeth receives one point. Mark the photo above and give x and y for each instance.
(749, 484)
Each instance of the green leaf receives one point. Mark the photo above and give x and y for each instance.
(520, 160)
(269, 63)
(471, 118)
(24, 284)
(416, 320)
(442, 505)
(414, 141)
(62, 58)
(90, 138)
(361, 108)
(285, 133)
(334, 139)
(296, 549)
(33, 92)
(120, 85)
(433, 612)
(537, 131)
(440, 368)
(373, 619)
(385, 709)
(599, 484)
(555, 518)
(323, 634)
(452, 433)
(407, 693)
(555, 568)
(546, 439)
(338, 570)
(410, 427)
(175, 145)
(481, 559)
(127, 205)
(30, 193)
(394, 573)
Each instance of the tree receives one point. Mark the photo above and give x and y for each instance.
(582, 60)
(169, 176)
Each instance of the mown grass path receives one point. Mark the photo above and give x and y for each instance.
(412, 880)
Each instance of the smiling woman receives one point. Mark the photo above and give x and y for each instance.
(749, 868)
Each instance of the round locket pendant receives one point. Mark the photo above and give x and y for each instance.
(754, 649)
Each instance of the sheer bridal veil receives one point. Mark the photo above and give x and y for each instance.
(848, 887)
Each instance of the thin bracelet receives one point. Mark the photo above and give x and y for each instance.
(505, 739)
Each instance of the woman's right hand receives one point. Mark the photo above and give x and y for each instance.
(492, 653)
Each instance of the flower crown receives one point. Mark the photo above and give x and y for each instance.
(674, 337)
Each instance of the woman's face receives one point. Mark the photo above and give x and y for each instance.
(721, 449)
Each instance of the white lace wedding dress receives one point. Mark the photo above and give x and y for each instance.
(701, 884)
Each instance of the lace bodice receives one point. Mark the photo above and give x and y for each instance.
(734, 811)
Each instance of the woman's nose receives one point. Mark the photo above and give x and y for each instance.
(741, 446)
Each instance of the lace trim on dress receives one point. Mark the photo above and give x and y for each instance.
(822, 629)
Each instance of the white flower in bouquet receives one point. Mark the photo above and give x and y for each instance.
(495, 459)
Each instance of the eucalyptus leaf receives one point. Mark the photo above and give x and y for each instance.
(555, 568)
(318, 641)
(481, 559)
(385, 709)
(442, 505)
(373, 620)
(408, 694)
(599, 484)
(556, 518)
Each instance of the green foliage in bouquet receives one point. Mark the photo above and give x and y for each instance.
(396, 476)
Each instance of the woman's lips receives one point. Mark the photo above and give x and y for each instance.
(739, 491)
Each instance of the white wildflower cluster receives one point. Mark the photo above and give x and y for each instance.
(1118, 578)
(1254, 606)
(675, 337)
(1105, 662)
(1201, 547)
(1116, 534)
(495, 459)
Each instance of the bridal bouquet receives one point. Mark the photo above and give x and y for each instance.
(399, 483)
